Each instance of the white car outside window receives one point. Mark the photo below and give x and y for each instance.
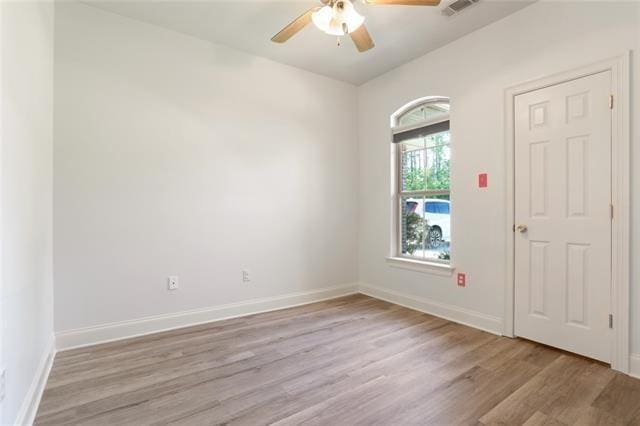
(438, 216)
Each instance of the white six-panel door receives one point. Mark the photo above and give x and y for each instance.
(563, 216)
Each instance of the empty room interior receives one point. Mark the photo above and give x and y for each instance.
(325, 212)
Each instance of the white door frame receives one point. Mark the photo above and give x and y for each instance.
(620, 193)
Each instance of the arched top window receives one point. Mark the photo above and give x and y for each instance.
(422, 139)
(420, 110)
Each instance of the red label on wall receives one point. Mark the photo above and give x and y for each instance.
(462, 279)
(482, 180)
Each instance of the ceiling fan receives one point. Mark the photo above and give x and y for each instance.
(339, 17)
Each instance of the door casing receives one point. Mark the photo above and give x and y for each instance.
(620, 191)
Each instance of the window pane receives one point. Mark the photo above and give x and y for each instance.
(426, 227)
(413, 227)
(426, 162)
(423, 113)
(438, 161)
(438, 238)
(414, 161)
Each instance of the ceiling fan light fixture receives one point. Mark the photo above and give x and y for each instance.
(322, 18)
(330, 19)
(351, 17)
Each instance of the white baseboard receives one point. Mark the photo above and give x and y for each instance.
(31, 401)
(453, 313)
(142, 326)
(634, 365)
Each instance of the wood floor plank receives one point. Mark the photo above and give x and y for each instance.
(541, 419)
(621, 398)
(352, 360)
(555, 382)
(593, 416)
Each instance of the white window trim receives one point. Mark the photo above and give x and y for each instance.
(434, 120)
(427, 267)
(396, 259)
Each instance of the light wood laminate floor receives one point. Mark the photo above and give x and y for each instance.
(353, 360)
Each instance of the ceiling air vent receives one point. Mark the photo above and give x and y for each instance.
(458, 6)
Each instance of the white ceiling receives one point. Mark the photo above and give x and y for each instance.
(401, 33)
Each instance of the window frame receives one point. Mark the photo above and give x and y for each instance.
(397, 258)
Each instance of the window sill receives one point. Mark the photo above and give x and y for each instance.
(434, 268)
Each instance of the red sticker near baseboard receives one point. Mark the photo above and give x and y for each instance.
(462, 279)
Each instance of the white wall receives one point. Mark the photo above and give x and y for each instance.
(26, 201)
(174, 156)
(540, 40)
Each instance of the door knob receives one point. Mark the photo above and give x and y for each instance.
(522, 228)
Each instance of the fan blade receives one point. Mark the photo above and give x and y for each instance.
(405, 2)
(296, 25)
(362, 39)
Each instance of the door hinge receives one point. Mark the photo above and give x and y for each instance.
(610, 101)
(610, 320)
(611, 210)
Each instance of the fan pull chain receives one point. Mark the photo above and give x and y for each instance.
(338, 42)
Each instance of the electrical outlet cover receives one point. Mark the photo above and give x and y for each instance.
(3, 383)
(173, 283)
(462, 279)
